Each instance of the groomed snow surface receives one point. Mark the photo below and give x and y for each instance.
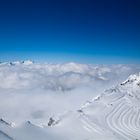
(69, 101)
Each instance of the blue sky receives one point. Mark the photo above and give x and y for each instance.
(88, 31)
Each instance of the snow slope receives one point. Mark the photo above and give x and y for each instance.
(115, 114)
(112, 115)
(117, 110)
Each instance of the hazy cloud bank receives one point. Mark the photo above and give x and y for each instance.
(37, 91)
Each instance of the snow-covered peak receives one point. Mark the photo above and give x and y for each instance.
(132, 79)
(131, 85)
(27, 62)
(16, 63)
(128, 90)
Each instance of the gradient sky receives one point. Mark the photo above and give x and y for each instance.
(91, 31)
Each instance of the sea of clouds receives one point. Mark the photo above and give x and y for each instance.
(37, 91)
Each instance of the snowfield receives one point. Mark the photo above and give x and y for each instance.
(69, 101)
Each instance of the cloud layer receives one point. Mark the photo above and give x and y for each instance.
(33, 91)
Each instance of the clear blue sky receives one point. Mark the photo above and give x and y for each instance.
(91, 31)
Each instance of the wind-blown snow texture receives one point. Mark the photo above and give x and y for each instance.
(53, 101)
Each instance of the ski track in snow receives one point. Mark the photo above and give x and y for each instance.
(90, 125)
(138, 120)
(122, 120)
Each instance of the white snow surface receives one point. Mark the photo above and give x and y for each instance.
(78, 101)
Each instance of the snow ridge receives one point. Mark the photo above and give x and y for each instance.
(119, 109)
